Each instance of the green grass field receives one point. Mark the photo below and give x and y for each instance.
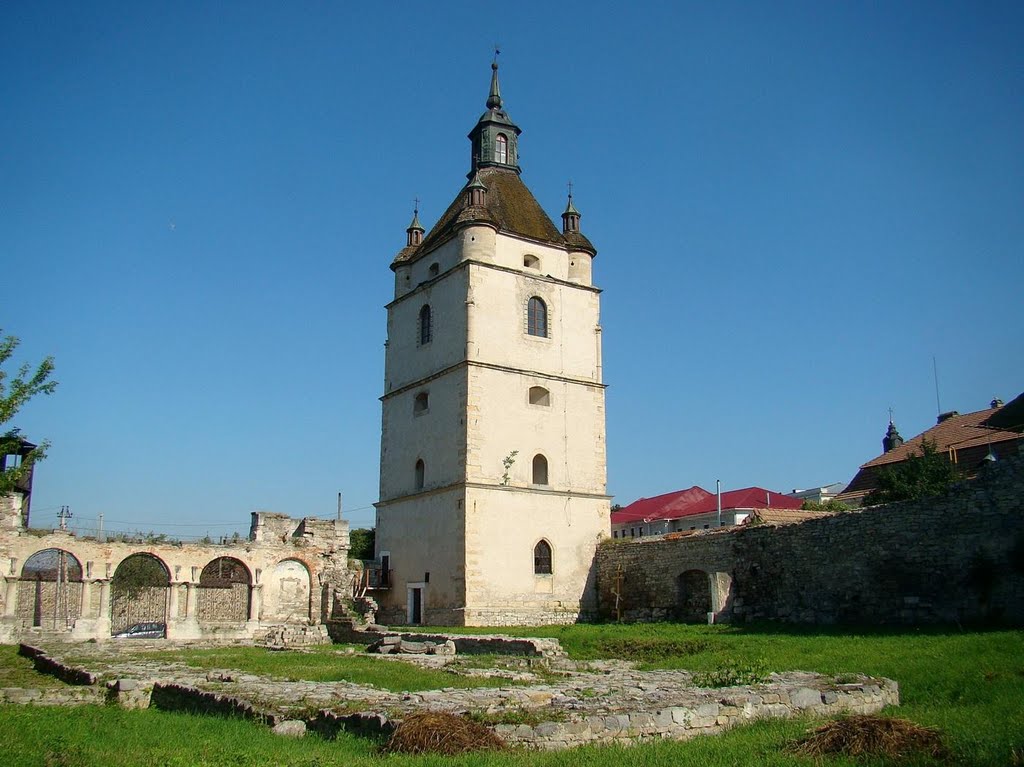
(968, 684)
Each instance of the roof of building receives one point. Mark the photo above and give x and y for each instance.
(666, 506)
(697, 500)
(783, 516)
(966, 439)
(508, 205)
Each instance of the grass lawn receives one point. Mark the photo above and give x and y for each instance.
(323, 664)
(16, 671)
(968, 684)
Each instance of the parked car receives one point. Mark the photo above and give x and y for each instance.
(150, 630)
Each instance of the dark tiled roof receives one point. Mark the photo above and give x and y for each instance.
(579, 241)
(509, 205)
(1010, 416)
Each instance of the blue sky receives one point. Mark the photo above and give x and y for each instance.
(796, 206)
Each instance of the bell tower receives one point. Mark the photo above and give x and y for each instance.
(493, 467)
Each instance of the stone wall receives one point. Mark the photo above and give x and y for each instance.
(290, 568)
(955, 558)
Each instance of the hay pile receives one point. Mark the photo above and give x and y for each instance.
(871, 735)
(438, 733)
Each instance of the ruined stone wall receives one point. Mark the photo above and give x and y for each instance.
(959, 557)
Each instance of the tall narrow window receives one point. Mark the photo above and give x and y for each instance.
(540, 470)
(421, 403)
(542, 558)
(421, 471)
(501, 149)
(537, 317)
(426, 326)
(540, 396)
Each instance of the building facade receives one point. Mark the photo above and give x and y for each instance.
(493, 468)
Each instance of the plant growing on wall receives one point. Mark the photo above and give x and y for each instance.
(507, 462)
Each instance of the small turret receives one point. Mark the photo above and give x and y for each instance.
(415, 230)
(892, 438)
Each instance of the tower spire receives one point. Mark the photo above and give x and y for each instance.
(494, 97)
(495, 138)
(415, 230)
(571, 216)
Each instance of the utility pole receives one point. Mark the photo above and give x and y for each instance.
(718, 493)
(339, 505)
(99, 530)
(64, 516)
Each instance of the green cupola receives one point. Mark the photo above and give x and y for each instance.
(495, 137)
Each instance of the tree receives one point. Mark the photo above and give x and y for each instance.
(830, 505)
(361, 542)
(922, 475)
(13, 395)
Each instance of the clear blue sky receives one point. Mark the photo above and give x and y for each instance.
(796, 205)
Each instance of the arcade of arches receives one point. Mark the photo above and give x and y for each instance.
(58, 583)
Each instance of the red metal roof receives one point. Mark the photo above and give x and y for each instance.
(697, 500)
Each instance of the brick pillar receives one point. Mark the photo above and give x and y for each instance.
(255, 601)
(85, 611)
(11, 598)
(173, 590)
(105, 599)
(191, 601)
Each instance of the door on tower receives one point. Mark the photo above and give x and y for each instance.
(415, 603)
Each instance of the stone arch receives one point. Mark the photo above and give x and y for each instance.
(287, 588)
(694, 596)
(223, 594)
(139, 591)
(50, 590)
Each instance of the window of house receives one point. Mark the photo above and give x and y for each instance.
(531, 262)
(537, 317)
(421, 471)
(540, 396)
(426, 325)
(421, 403)
(540, 470)
(501, 148)
(542, 558)
(615, 533)
(433, 270)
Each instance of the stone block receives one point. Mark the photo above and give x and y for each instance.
(290, 728)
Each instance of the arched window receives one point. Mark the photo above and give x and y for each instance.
(421, 470)
(421, 404)
(540, 470)
(433, 270)
(540, 396)
(501, 148)
(542, 558)
(537, 317)
(426, 325)
(531, 261)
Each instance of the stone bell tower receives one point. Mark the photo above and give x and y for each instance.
(493, 469)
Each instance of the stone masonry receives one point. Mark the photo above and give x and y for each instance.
(955, 558)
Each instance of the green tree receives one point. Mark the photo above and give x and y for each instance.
(830, 505)
(361, 542)
(14, 393)
(922, 475)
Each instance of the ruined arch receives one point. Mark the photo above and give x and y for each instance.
(50, 590)
(139, 591)
(223, 594)
(286, 592)
(694, 596)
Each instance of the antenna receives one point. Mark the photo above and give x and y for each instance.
(935, 372)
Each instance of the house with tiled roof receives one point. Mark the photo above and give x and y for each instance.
(695, 509)
(967, 440)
